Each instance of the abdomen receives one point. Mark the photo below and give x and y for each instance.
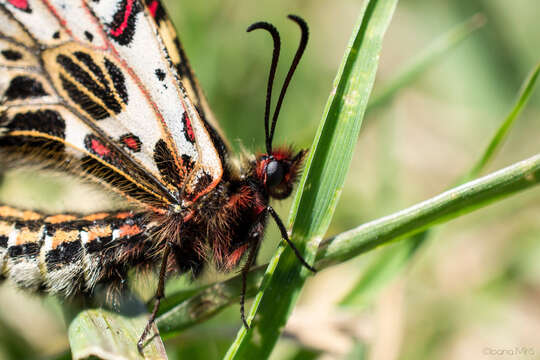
(67, 254)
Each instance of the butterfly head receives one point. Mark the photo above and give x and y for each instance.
(279, 171)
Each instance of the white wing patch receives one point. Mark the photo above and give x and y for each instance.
(85, 29)
(12, 29)
(44, 28)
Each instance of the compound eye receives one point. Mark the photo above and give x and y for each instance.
(274, 173)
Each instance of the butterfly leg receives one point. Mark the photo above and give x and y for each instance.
(285, 236)
(160, 293)
(245, 271)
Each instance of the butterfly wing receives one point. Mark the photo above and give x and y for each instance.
(95, 83)
(180, 61)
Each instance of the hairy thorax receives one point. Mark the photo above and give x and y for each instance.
(220, 226)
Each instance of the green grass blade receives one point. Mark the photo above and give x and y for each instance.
(502, 133)
(391, 260)
(413, 220)
(425, 59)
(380, 270)
(446, 206)
(320, 186)
(106, 335)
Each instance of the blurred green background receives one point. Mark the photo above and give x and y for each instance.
(474, 289)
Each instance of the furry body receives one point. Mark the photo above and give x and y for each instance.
(69, 254)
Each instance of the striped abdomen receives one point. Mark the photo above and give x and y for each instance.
(69, 254)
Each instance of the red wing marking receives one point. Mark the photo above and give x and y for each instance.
(99, 148)
(152, 8)
(124, 215)
(129, 230)
(20, 4)
(97, 216)
(96, 232)
(131, 141)
(61, 236)
(189, 129)
(56, 219)
(7, 211)
(25, 236)
(124, 24)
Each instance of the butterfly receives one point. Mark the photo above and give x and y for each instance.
(103, 90)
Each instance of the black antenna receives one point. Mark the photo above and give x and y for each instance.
(296, 60)
(269, 129)
(275, 57)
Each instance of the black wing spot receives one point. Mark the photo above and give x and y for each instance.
(34, 145)
(44, 121)
(99, 86)
(187, 163)
(11, 55)
(118, 79)
(89, 36)
(24, 87)
(30, 250)
(166, 165)
(202, 183)
(100, 90)
(87, 60)
(63, 254)
(160, 74)
(56, 35)
(3, 241)
(96, 111)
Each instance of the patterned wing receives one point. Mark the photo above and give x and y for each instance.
(180, 61)
(90, 85)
